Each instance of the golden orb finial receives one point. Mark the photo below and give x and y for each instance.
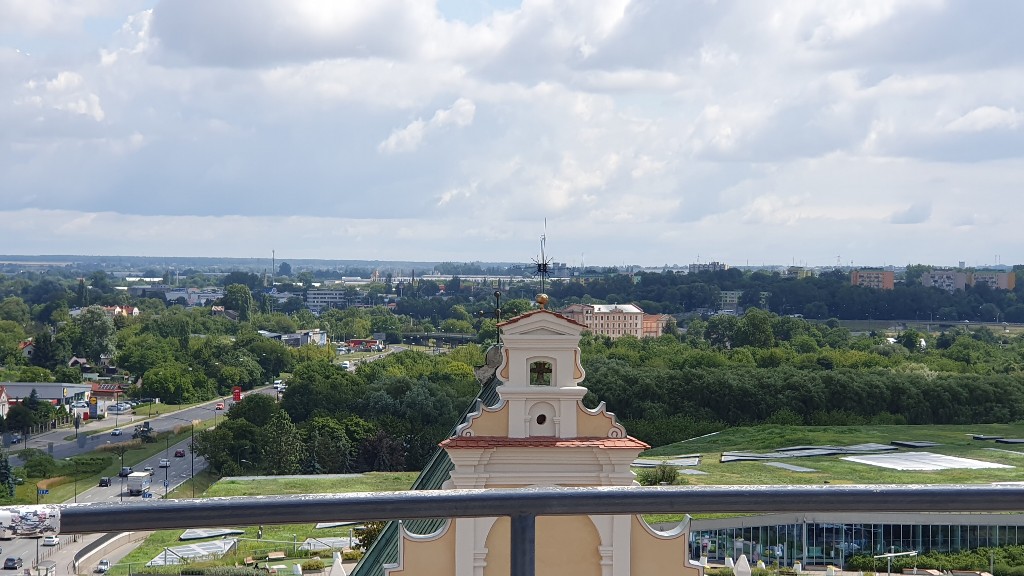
(542, 299)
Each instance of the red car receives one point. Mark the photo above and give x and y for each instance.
(179, 453)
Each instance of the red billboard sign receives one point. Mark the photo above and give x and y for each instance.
(236, 393)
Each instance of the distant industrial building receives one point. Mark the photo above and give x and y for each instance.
(56, 393)
(313, 336)
(707, 267)
(879, 279)
(321, 299)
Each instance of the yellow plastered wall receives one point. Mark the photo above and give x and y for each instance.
(428, 557)
(653, 555)
(491, 423)
(566, 546)
(592, 425)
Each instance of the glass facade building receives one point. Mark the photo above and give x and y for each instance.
(829, 539)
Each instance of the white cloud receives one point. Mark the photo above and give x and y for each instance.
(986, 118)
(409, 138)
(646, 131)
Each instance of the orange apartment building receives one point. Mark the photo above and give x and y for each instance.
(880, 279)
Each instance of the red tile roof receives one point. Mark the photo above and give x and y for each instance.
(540, 311)
(542, 442)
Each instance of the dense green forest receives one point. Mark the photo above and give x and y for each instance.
(389, 415)
(763, 368)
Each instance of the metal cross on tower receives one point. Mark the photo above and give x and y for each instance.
(542, 262)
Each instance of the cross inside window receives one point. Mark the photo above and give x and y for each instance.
(540, 374)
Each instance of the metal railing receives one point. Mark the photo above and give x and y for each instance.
(524, 505)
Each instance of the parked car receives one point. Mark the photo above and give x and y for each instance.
(179, 453)
(105, 481)
(219, 406)
(12, 563)
(125, 471)
(164, 463)
(50, 541)
(103, 566)
(116, 432)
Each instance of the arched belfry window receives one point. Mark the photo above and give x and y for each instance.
(540, 373)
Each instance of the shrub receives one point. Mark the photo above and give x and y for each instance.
(351, 554)
(221, 571)
(313, 564)
(661, 474)
(367, 534)
(53, 482)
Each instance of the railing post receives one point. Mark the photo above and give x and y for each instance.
(523, 547)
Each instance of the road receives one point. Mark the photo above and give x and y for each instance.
(90, 436)
(179, 470)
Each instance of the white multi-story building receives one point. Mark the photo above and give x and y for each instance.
(320, 299)
(948, 280)
(609, 319)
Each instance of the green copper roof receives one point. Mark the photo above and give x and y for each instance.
(385, 550)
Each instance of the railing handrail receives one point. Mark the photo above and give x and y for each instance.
(537, 501)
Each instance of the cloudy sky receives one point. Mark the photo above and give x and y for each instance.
(644, 132)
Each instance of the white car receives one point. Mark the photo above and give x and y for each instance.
(115, 432)
(165, 463)
(50, 541)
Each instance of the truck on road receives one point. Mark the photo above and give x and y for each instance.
(138, 483)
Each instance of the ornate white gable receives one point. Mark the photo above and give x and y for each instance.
(541, 372)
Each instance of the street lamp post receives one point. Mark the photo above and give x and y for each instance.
(191, 450)
(121, 474)
(74, 475)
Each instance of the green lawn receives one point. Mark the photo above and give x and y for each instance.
(369, 482)
(203, 480)
(952, 440)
